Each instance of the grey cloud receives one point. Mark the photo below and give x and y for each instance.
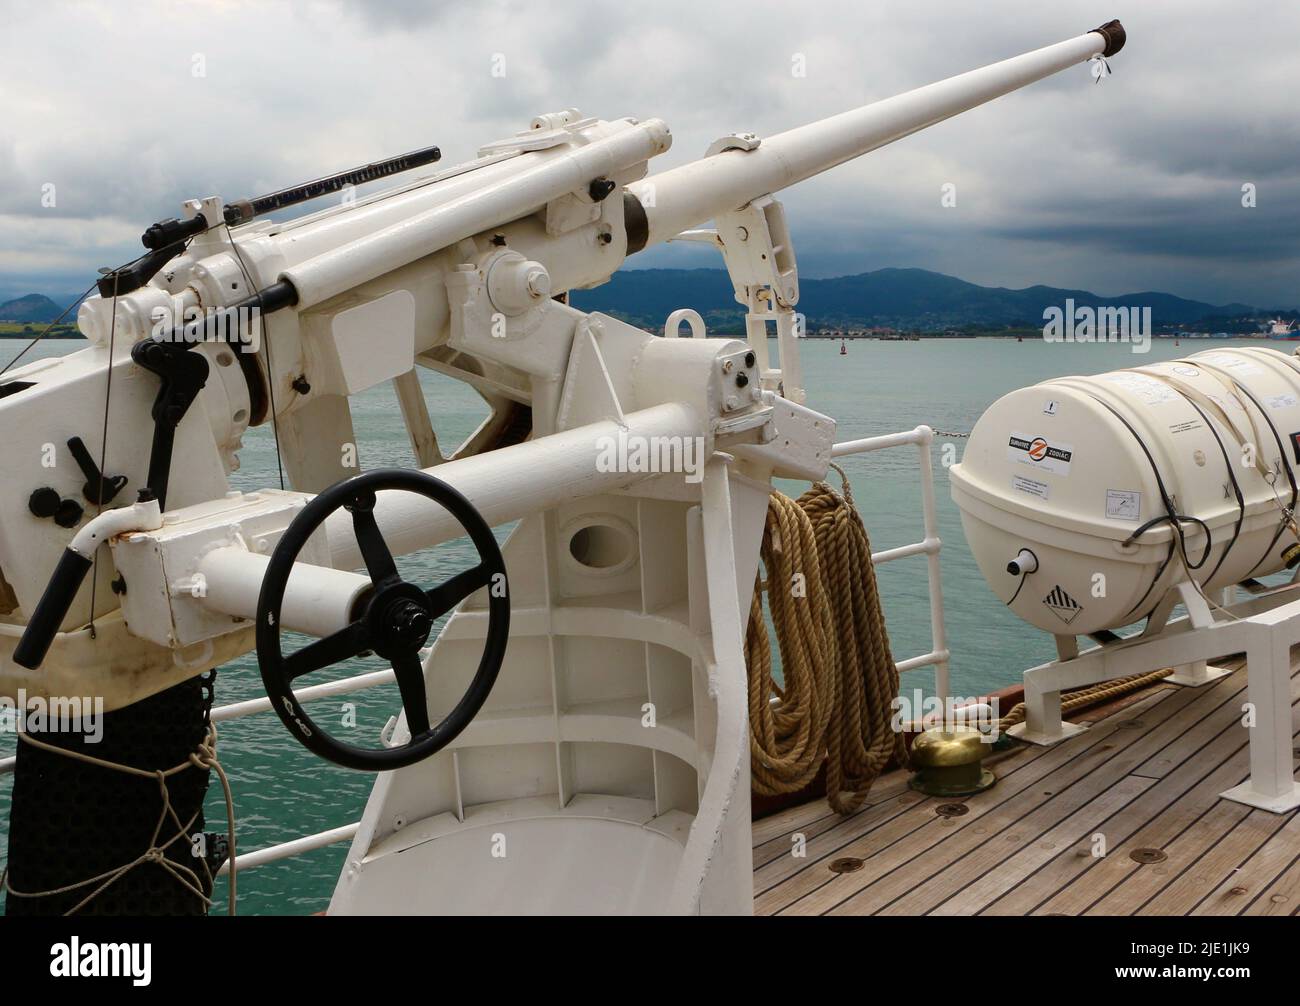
(1122, 185)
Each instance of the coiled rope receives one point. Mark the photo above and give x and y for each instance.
(839, 676)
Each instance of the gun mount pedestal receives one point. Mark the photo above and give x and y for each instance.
(607, 770)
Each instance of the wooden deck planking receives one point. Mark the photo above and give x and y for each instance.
(1084, 794)
(791, 819)
(1166, 815)
(1021, 820)
(1026, 845)
(1075, 885)
(892, 869)
(1221, 859)
(1282, 896)
(995, 873)
(1250, 889)
(1137, 884)
(866, 829)
(882, 801)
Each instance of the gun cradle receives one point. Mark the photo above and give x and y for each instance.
(638, 467)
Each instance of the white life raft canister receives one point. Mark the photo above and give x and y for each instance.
(1085, 499)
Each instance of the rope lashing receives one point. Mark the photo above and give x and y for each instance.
(204, 756)
(839, 676)
(1091, 695)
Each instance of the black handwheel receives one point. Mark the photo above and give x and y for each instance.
(394, 619)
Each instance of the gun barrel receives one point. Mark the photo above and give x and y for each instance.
(687, 196)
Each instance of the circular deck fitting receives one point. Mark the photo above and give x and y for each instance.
(1147, 856)
(948, 762)
(846, 864)
(951, 809)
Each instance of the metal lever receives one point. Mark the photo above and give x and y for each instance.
(99, 488)
(76, 561)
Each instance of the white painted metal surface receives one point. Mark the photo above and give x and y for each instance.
(1082, 471)
(686, 196)
(1263, 627)
(608, 769)
(921, 437)
(562, 171)
(1133, 492)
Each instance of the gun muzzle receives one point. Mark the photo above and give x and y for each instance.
(688, 196)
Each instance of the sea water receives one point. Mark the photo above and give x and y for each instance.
(282, 791)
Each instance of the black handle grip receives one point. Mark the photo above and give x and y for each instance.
(1115, 36)
(51, 609)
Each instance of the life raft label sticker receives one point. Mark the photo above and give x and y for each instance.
(1282, 402)
(1027, 485)
(1149, 390)
(1185, 425)
(1229, 362)
(1065, 607)
(1039, 452)
(1123, 504)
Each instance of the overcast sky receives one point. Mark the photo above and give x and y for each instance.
(1131, 184)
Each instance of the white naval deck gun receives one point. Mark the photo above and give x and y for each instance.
(619, 595)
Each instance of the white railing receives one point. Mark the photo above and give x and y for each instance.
(938, 657)
(921, 437)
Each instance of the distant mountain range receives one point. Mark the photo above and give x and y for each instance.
(896, 298)
(34, 308)
(893, 298)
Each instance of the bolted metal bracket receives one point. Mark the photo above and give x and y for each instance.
(760, 260)
(734, 141)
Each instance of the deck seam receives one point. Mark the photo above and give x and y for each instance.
(1118, 810)
(1101, 732)
(1095, 736)
(1173, 769)
(1126, 838)
(1280, 824)
(1069, 786)
(1179, 719)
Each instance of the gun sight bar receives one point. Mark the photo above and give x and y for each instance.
(166, 233)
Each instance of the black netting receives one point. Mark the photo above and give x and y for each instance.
(71, 820)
